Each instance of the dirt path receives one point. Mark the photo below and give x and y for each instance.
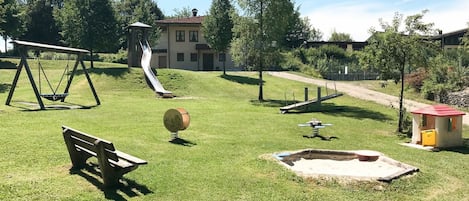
(360, 92)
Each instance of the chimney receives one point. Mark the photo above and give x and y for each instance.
(194, 12)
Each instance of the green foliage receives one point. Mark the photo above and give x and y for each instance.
(10, 19)
(394, 49)
(131, 11)
(243, 46)
(340, 37)
(231, 135)
(40, 23)
(217, 26)
(89, 24)
(182, 13)
(444, 76)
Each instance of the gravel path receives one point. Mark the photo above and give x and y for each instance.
(360, 92)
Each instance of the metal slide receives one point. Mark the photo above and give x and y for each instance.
(145, 62)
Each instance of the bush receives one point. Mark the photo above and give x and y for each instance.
(415, 80)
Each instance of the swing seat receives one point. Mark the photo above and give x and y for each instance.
(54, 97)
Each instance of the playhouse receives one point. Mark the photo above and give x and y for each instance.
(437, 126)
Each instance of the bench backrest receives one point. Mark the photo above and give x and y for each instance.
(88, 142)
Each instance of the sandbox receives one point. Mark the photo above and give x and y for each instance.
(362, 165)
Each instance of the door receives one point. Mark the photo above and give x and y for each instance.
(162, 62)
(207, 62)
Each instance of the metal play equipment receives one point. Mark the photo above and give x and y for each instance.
(316, 125)
(176, 120)
(138, 47)
(305, 105)
(24, 47)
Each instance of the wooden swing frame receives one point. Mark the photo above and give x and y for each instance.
(24, 46)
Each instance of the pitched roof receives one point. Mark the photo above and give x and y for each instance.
(439, 110)
(186, 20)
(139, 24)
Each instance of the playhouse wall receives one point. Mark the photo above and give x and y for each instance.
(445, 138)
(416, 137)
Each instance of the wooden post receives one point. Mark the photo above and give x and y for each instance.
(306, 93)
(319, 96)
(89, 80)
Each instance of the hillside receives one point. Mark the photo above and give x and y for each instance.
(221, 160)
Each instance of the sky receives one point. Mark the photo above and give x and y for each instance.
(354, 17)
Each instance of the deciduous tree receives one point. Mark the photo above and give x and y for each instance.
(11, 21)
(40, 23)
(394, 49)
(89, 24)
(217, 26)
(131, 11)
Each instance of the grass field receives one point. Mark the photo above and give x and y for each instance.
(228, 133)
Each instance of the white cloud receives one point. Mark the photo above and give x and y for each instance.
(357, 17)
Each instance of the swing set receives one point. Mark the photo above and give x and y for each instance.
(24, 46)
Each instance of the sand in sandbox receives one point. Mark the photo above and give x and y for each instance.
(344, 164)
(350, 168)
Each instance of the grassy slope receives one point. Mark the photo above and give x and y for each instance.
(229, 131)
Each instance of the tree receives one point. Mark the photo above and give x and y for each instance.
(182, 13)
(11, 21)
(89, 24)
(217, 26)
(131, 11)
(340, 37)
(273, 19)
(40, 23)
(244, 41)
(392, 50)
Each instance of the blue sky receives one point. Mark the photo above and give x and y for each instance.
(355, 17)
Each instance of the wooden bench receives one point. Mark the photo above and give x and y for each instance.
(112, 163)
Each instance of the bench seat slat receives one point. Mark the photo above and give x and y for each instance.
(130, 158)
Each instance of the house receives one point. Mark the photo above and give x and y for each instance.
(450, 40)
(347, 46)
(182, 46)
(437, 126)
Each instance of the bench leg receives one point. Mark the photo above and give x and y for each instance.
(78, 159)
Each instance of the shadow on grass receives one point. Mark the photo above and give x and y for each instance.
(113, 71)
(329, 109)
(7, 65)
(4, 87)
(33, 107)
(241, 79)
(182, 142)
(127, 186)
(464, 149)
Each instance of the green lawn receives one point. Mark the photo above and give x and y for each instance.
(229, 131)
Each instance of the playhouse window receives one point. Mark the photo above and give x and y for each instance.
(452, 124)
(424, 121)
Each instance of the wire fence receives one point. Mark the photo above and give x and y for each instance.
(352, 76)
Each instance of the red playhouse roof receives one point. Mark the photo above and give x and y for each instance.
(439, 110)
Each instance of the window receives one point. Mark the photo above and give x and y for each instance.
(452, 124)
(193, 36)
(193, 56)
(180, 56)
(180, 36)
(222, 57)
(424, 120)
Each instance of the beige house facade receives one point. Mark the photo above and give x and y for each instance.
(182, 46)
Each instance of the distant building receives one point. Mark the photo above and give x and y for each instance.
(182, 46)
(347, 46)
(450, 40)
